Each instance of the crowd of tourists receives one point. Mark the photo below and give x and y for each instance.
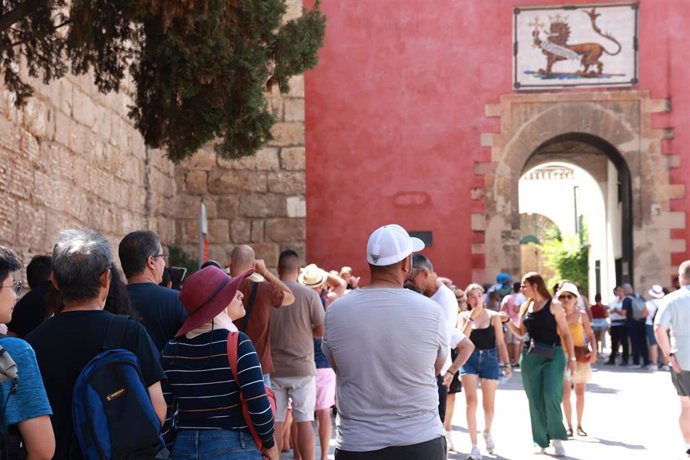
(101, 361)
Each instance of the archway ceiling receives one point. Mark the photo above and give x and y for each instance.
(581, 154)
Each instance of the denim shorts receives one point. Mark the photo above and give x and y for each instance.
(483, 363)
(214, 444)
(651, 338)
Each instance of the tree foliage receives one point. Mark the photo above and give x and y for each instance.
(201, 68)
(568, 258)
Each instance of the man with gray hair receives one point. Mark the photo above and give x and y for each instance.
(674, 314)
(143, 263)
(65, 343)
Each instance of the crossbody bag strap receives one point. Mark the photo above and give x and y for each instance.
(249, 306)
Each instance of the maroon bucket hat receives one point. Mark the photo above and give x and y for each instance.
(206, 293)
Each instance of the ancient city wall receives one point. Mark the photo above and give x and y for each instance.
(71, 157)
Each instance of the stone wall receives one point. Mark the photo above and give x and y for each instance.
(71, 158)
(258, 200)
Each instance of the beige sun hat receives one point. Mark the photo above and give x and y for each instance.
(312, 276)
(656, 291)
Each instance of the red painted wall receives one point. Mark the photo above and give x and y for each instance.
(395, 108)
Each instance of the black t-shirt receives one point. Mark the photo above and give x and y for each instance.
(30, 311)
(160, 308)
(65, 343)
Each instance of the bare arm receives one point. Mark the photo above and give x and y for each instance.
(337, 284)
(317, 331)
(38, 437)
(158, 401)
(564, 331)
(464, 350)
(438, 365)
(500, 340)
(661, 333)
(260, 267)
(590, 337)
(520, 330)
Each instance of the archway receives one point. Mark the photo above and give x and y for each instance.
(617, 128)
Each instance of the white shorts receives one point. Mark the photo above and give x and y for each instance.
(302, 392)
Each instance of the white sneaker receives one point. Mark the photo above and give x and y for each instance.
(489, 442)
(449, 440)
(653, 367)
(475, 454)
(538, 450)
(559, 450)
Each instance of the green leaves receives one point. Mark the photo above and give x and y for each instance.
(201, 67)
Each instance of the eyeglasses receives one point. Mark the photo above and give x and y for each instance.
(16, 287)
(566, 297)
(156, 256)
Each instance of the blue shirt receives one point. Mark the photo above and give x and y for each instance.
(162, 313)
(30, 400)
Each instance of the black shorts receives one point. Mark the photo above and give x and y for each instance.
(681, 382)
(455, 384)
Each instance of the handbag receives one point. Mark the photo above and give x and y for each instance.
(540, 349)
(582, 354)
(233, 338)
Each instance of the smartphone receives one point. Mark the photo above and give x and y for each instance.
(177, 275)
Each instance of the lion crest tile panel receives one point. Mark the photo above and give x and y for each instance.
(588, 45)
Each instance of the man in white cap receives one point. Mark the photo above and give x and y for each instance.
(386, 345)
(674, 314)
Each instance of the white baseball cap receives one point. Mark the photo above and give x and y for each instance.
(391, 244)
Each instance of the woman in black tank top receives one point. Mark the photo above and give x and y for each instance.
(485, 330)
(543, 362)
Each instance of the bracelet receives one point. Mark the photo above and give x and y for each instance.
(451, 372)
(573, 359)
(508, 366)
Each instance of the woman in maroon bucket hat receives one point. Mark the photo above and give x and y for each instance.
(201, 391)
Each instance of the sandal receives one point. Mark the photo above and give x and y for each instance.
(569, 432)
(580, 431)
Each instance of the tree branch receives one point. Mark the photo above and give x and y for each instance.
(13, 16)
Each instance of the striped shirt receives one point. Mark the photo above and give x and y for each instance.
(202, 393)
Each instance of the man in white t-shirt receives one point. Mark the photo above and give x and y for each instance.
(386, 345)
(618, 329)
(674, 314)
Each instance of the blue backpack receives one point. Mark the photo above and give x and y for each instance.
(112, 412)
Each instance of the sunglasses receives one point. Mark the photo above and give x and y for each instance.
(566, 297)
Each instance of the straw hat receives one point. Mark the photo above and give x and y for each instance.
(207, 293)
(312, 276)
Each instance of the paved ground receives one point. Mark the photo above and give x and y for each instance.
(629, 414)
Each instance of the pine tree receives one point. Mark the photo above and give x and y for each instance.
(202, 68)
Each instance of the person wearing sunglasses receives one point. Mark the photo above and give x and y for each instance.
(543, 361)
(579, 326)
(24, 406)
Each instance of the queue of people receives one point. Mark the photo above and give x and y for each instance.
(241, 363)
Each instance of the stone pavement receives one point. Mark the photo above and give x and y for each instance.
(629, 414)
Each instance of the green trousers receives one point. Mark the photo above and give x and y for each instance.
(543, 381)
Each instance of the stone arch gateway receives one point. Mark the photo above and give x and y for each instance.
(620, 125)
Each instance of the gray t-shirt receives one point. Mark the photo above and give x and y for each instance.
(292, 338)
(674, 313)
(383, 344)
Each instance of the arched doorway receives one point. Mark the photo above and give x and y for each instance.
(617, 129)
(583, 183)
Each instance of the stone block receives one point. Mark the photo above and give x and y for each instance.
(293, 158)
(227, 207)
(676, 191)
(218, 231)
(187, 206)
(673, 161)
(476, 193)
(492, 110)
(286, 230)
(196, 182)
(269, 252)
(62, 129)
(287, 134)
(487, 139)
(218, 252)
(204, 159)
(257, 230)
(296, 206)
(288, 183)
(263, 205)
(296, 86)
(240, 231)
(678, 246)
(83, 108)
(294, 109)
(221, 182)
(265, 159)
(478, 222)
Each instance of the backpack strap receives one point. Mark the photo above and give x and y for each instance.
(232, 344)
(249, 306)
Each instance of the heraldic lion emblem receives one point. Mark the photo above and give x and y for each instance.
(554, 45)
